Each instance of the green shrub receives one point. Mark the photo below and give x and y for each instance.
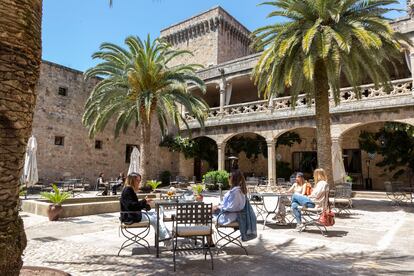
(212, 178)
(283, 170)
(165, 178)
(56, 197)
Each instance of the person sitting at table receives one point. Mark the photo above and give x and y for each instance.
(129, 200)
(120, 180)
(316, 199)
(100, 181)
(234, 200)
(297, 187)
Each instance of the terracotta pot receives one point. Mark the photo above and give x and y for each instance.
(199, 198)
(54, 211)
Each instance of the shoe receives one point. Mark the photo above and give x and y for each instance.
(299, 227)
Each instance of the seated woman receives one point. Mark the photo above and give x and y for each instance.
(316, 199)
(120, 181)
(297, 188)
(129, 200)
(234, 200)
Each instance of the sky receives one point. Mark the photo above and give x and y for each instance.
(72, 30)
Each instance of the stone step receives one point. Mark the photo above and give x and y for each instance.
(370, 194)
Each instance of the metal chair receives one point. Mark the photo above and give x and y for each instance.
(311, 216)
(193, 221)
(342, 200)
(137, 238)
(256, 201)
(394, 192)
(229, 238)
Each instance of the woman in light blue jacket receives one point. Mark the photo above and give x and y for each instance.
(234, 200)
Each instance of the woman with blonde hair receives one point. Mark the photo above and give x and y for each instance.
(129, 200)
(316, 199)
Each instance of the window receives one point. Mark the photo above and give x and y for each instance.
(59, 140)
(352, 160)
(128, 152)
(63, 91)
(98, 144)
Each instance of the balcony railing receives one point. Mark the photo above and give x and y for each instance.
(347, 96)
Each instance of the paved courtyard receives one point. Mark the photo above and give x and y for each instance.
(376, 239)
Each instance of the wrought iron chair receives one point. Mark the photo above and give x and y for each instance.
(233, 237)
(139, 237)
(342, 200)
(193, 221)
(311, 216)
(394, 192)
(256, 201)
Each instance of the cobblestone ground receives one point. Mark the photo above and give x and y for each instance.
(375, 240)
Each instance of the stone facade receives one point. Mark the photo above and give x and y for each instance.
(213, 36)
(61, 116)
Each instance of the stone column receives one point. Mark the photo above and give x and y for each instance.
(271, 161)
(338, 168)
(221, 155)
(412, 70)
(222, 96)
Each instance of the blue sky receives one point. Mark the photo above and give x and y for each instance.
(74, 29)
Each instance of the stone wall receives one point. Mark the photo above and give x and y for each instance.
(57, 115)
(212, 36)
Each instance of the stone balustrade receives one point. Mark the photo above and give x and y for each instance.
(348, 98)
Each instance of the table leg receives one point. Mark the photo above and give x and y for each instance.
(157, 232)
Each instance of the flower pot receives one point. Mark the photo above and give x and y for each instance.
(54, 211)
(199, 198)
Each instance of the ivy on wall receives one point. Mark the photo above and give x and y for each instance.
(395, 143)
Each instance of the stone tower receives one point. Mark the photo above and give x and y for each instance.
(213, 36)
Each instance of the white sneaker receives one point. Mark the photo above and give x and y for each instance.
(299, 227)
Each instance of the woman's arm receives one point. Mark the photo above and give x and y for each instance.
(292, 188)
(130, 200)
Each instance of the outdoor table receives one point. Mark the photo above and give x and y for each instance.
(164, 203)
(269, 210)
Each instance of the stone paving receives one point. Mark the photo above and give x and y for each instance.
(375, 240)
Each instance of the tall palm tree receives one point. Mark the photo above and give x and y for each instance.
(320, 41)
(20, 57)
(140, 87)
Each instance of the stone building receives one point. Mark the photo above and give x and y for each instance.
(221, 44)
(64, 147)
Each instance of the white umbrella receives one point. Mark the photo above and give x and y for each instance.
(30, 174)
(134, 161)
(339, 173)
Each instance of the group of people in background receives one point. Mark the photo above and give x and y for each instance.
(101, 182)
(303, 194)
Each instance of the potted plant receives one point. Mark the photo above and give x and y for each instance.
(348, 179)
(57, 198)
(198, 189)
(153, 184)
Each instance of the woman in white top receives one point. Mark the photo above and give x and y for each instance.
(297, 187)
(317, 197)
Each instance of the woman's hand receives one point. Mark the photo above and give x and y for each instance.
(216, 207)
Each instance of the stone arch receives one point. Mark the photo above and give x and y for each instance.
(361, 165)
(232, 135)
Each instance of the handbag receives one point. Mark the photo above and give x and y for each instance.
(327, 218)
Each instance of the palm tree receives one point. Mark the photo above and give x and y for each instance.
(20, 58)
(140, 87)
(320, 41)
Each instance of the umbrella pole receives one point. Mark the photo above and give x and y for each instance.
(25, 194)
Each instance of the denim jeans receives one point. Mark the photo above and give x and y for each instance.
(300, 200)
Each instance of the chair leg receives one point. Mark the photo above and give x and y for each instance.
(132, 238)
(230, 239)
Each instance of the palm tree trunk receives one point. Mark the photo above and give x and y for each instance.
(323, 120)
(20, 57)
(145, 151)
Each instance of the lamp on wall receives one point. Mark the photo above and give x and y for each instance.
(314, 144)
